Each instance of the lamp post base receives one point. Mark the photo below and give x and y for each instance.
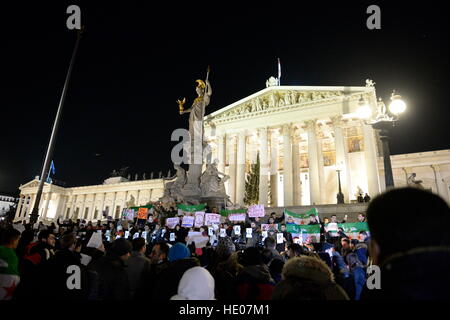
(340, 198)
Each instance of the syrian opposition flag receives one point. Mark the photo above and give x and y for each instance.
(9, 273)
(352, 230)
(308, 234)
(300, 218)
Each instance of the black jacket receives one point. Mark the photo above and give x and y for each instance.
(113, 281)
(166, 285)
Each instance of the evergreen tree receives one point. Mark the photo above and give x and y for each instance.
(252, 184)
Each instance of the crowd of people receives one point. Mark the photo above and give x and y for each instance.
(141, 260)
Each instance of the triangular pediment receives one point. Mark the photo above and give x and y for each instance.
(32, 184)
(281, 98)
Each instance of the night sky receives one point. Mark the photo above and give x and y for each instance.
(135, 60)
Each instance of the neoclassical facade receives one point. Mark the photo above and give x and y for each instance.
(302, 134)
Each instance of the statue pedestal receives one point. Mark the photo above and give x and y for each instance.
(211, 202)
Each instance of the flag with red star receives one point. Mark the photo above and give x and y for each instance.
(9, 272)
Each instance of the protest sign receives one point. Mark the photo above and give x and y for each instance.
(223, 233)
(215, 226)
(172, 222)
(85, 259)
(210, 231)
(199, 217)
(280, 238)
(332, 228)
(188, 221)
(172, 236)
(142, 213)
(136, 235)
(127, 233)
(144, 235)
(237, 230)
(128, 214)
(256, 210)
(199, 240)
(192, 234)
(95, 241)
(249, 232)
(236, 217)
(211, 218)
(269, 227)
(264, 234)
(301, 218)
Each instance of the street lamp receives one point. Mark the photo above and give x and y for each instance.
(383, 121)
(340, 195)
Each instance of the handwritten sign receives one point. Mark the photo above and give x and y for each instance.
(237, 217)
(199, 218)
(256, 211)
(142, 213)
(211, 218)
(188, 221)
(172, 222)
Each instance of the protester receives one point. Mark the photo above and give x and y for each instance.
(137, 264)
(307, 278)
(113, 277)
(195, 284)
(412, 252)
(9, 263)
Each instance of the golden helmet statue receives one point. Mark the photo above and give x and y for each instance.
(201, 84)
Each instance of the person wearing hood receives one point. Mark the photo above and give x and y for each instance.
(254, 281)
(112, 273)
(179, 261)
(307, 278)
(196, 284)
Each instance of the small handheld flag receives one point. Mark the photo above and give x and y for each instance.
(52, 168)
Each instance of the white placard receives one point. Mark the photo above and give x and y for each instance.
(172, 236)
(136, 235)
(210, 231)
(127, 233)
(237, 230)
(144, 234)
(95, 241)
(223, 233)
(280, 237)
(264, 234)
(85, 259)
(249, 232)
(108, 238)
(215, 226)
(99, 231)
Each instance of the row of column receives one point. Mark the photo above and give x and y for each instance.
(291, 166)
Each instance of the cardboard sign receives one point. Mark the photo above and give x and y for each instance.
(210, 231)
(172, 222)
(249, 232)
(199, 218)
(188, 221)
(237, 230)
(280, 238)
(142, 213)
(237, 217)
(95, 241)
(172, 236)
(211, 218)
(256, 211)
(223, 233)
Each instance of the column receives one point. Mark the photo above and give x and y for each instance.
(72, 207)
(287, 166)
(370, 156)
(341, 156)
(232, 169)
(30, 207)
(113, 206)
(313, 162)
(240, 168)
(274, 167)
(296, 168)
(103, 207)
(19, 207)
(93, 207)
(23, 210)
(47, 202)
(440, 183)
(221, 153)
(264, 167)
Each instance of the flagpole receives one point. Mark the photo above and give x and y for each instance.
(51, 146)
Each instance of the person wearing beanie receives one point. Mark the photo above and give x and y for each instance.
(112, 274)
(180, 260)
(196, 284)
(179, 251)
